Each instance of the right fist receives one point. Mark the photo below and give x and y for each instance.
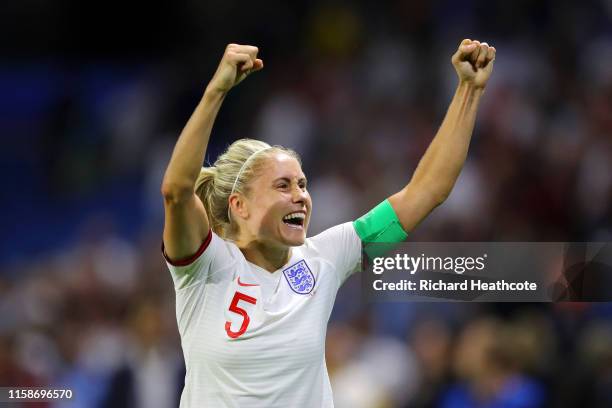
(238, 61)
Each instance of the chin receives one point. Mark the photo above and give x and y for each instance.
(294, 241)
(292, 236)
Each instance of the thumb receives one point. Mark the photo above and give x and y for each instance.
(257, 65)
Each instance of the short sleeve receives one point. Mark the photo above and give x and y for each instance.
(199, 266)
(341, 246)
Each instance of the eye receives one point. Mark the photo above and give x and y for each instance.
(302, 185)
(282, 186)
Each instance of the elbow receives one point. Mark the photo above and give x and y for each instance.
(440, 196)
(439, 191)
(432, 199)
(176, 192)
(431, 193)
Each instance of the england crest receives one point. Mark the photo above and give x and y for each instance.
(300, 278)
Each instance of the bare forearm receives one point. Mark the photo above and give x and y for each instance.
(190, 148)
(186, 222)
(441, 164)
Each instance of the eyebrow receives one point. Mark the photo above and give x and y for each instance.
(289, 180)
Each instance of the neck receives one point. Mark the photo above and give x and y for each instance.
(268, 257)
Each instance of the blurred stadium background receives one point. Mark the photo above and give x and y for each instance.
(93, 97)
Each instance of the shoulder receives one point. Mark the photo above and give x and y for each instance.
(215, 254)
(339, 246)
(332, 239)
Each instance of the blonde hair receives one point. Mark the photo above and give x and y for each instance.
(232, 172)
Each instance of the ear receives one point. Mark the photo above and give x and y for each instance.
(238, 206)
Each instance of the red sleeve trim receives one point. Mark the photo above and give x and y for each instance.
(192, 258)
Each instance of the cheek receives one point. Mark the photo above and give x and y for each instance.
(267, 219)
(309, 206)
(265, 213)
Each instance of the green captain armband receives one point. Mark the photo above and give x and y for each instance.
(380, 225)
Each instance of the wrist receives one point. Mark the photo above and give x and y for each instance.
(213, 93)
(470, 88)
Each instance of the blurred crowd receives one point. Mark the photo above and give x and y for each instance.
(359, 90)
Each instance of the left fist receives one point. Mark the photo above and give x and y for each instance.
(473, 62)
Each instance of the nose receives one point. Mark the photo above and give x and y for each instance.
(298, 195)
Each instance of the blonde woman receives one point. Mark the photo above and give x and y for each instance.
(253, 294)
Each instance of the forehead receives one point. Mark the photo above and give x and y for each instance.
(278, 165)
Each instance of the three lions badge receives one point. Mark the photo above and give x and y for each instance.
(300, 278)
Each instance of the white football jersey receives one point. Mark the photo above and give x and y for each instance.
(252, 338)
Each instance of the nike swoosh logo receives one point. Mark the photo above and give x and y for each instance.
(246, 284)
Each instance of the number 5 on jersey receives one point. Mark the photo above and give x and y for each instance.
(238, 296)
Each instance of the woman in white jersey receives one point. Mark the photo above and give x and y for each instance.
(253, 294)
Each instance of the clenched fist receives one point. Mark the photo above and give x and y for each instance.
(473, 62)
(238, 61)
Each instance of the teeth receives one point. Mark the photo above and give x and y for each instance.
(294, 215)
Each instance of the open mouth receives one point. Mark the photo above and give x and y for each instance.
(295, 220)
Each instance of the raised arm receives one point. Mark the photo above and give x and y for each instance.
(443, 160)
(186, 223)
